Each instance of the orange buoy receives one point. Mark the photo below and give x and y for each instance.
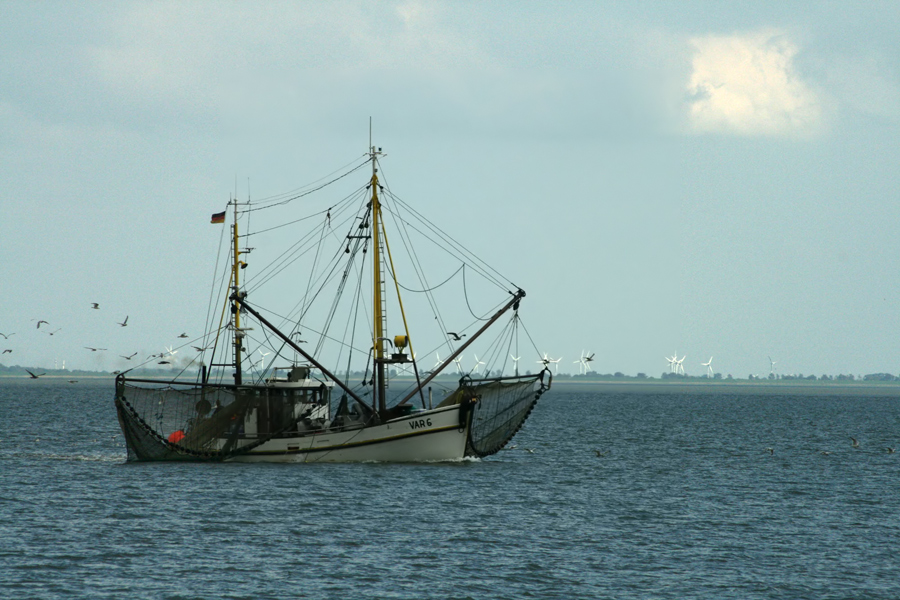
(176, 436)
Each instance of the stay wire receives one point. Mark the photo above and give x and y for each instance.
(481, 264)
(290, 255)
(294, 253)
(306, 193)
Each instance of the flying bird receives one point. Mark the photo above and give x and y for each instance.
(183, 335)
(95, 305)
(198, 348)
(73, 381)
(128, 357)
(6, 337)
(6, 351)
(456, 337)
(124, 323)
(93, 349)
(52, 332)
(42, 321)
(889, 450)
(164, 362)
(770, 450)
(854, 442)
(33, 376)
(601, 454)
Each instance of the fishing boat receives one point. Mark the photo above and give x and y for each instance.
(353, 393)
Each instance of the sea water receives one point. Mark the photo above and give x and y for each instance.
(684, 500)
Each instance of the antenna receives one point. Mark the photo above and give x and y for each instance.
(370, 133)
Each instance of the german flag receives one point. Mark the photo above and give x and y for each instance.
(218, 217)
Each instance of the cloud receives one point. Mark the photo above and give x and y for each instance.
(747, 84)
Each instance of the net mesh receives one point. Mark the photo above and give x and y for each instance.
(498, 409)
(191, 422)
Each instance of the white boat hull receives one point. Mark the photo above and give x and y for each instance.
(428, 436)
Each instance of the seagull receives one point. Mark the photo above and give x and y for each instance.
(42, 321)
(183, 335)
(128, 357)
(198, 348)
(854, 442)
(6, 337)
(770, 450)
(824, 453)
(164, 362)
(93, 349)
(73, 381)
(456, 337)
(529, 450)
(6, 351)
(95, 305)
(124, 323)
(889, 450)
(33, 376)
(601, 454)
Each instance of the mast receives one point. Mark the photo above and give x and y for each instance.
(235, 307)
(377, 281)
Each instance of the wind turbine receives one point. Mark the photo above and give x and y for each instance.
(478, 363)
(709, 369)
(555, 364)
(458, 366)
(581, 364)
(545, 361)
(771, 367)
(680, 363)
(438, 363)
(515, 360)
(262, 360)
(587, 362)
(673, 362)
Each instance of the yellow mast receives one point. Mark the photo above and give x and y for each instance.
(235, 307)
(378, 312)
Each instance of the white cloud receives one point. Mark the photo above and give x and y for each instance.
(747, 84)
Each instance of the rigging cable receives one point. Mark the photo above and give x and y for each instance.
(308, 192)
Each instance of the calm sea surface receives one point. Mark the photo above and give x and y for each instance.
(686, 503)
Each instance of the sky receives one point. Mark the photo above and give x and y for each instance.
(712, 179)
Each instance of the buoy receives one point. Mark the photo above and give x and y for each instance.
(176, 436)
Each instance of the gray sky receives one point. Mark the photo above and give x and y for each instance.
(707, 178)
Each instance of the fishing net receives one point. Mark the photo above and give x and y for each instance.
(498, 408)
(204, 422)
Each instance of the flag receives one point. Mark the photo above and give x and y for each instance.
(218, 217)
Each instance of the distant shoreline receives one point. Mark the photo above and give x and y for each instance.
(735, 388)
(643, 387)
